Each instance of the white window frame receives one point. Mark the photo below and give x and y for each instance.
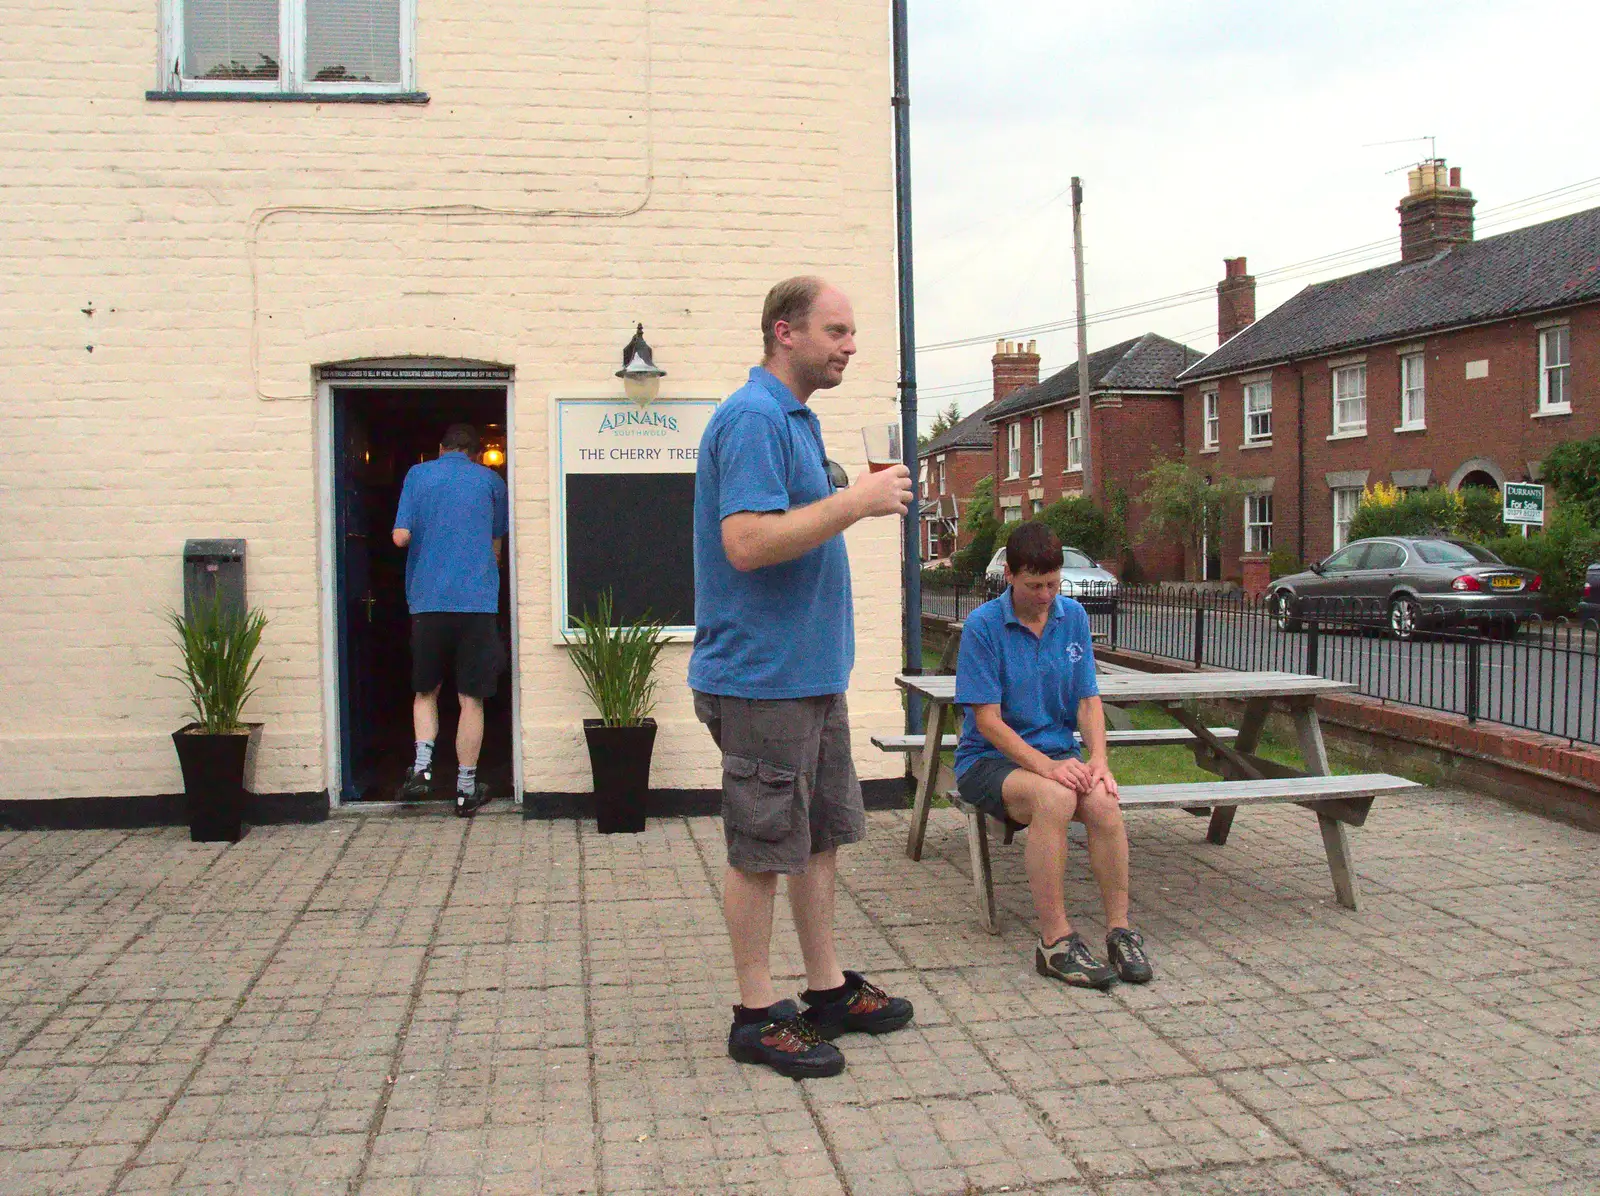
(941, 476)
(1548, 370)
(1353, 379)
(1038, 446)
(1014, 449)
(1074, 443)
(291, 57)
(1013, 515)
(1350, 495)
(1038, 505)
(1413, 391)
(1210, 419)
(1261, 414)
(1258, 531)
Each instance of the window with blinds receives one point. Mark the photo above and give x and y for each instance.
(289, 45)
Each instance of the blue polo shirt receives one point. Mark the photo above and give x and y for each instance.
(453, 508)
(785, 631)
(1038, 680)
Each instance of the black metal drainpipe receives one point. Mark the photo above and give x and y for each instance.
(911, 586)
(1300, 466)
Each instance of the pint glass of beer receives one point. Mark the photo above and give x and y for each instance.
(883, 446)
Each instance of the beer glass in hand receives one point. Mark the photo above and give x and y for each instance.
(883, 446)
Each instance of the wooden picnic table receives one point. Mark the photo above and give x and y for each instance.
(1261, 693)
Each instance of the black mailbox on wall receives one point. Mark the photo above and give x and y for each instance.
(212, 568)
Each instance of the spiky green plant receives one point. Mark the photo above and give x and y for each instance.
(218, 648)
(618, 664)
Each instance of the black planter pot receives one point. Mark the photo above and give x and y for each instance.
(214, 768)
(620, 758)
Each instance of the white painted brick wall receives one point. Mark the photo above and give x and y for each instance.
(766, 128)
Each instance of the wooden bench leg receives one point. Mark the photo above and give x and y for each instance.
(1336, 841)
(1221, 824)
(982, 877)
(927, 777)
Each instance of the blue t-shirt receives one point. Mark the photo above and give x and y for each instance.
(785, 631)
(453, 509)
(1038, 680)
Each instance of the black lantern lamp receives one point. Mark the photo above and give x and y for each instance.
(641, 376)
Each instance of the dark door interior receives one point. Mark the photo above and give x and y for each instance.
(379, 433)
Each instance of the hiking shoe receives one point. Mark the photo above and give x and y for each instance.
(468, 804)
(1069, 959)
(1125, 952)
(786, 1043)
(416, 786)
(867, 1010)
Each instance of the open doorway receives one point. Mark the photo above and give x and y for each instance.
(378, 434)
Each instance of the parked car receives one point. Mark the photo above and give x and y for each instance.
(1410, 583)
(1589, 599)
(1081, 578)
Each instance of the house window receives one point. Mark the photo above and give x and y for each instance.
(1014, 450)
(1555, 359)
(1074, 441)
(1258, 523)
(1210, 420)
(1350, 399)
(1038, 505)
(1258, 412)
(1413, 391)
(1013, 515)
(1345, 502)
(1038, 445)
(329, 46)
(941, 475)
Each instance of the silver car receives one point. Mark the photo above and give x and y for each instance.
(1410, 583)
(1081, 578)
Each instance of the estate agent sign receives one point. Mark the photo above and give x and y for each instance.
(1524, 504)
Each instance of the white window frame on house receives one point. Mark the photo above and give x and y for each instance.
(1258, 416)
(1074, 443)
(1014, 449)
(1038, 505)
(1349, 389)
(1258, 524)
(291, 57)
(941, 475)
(1013, 515)
(1555, 376)
(1038, 446)
(1345, 501)
(1413, 392)
(1210, 419)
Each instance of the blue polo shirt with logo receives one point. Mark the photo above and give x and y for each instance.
(454, 509)
(1037, 680)
(783, 631)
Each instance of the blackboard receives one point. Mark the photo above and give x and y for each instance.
(632, 533)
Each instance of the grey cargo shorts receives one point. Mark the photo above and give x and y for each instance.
(789, 785)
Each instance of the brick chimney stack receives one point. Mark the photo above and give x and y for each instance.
(1016, 364)
(1236, 299)
(1436, 213)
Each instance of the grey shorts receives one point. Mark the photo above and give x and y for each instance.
(789, 786)
(983, 783)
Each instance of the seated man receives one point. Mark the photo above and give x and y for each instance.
(1026, 677)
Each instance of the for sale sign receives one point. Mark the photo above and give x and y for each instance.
(1524, 503)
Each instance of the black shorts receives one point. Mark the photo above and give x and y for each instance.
(471, 640)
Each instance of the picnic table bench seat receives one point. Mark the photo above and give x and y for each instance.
(1153, 737)
(1338, 801)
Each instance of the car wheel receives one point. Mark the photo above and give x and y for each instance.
(1403, 613)
(1282, 604)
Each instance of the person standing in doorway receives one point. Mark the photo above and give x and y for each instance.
(452, 521)
(773, 648)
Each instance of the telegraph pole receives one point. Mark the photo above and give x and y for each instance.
(1085, 436)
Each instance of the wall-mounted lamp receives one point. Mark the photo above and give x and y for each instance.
(494, 446)
(641, 377)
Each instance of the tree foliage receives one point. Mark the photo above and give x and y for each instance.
(1077, 523)
(1573, 470)
(1186, 504)
(981, 527)
(1562, 554)
(1472, 513)
(943, 421)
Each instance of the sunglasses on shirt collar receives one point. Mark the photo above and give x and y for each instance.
(839, 479)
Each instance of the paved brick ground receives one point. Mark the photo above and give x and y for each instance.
(417, 1004)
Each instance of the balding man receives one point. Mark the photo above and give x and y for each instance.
(774, 645)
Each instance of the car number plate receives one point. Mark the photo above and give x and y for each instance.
(1506, 583)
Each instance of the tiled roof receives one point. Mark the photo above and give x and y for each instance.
(1548, 265)
(970, 433)
(1147, 362)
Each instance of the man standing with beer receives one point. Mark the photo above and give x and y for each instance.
(774, 646)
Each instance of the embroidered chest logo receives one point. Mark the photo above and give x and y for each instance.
(1075, 652)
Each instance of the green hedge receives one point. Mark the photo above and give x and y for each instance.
(1562, 554)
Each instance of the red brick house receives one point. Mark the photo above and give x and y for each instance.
(1462, 364)
(959, 458)
(1137, 412)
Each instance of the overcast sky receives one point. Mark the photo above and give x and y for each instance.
(1211, 130)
